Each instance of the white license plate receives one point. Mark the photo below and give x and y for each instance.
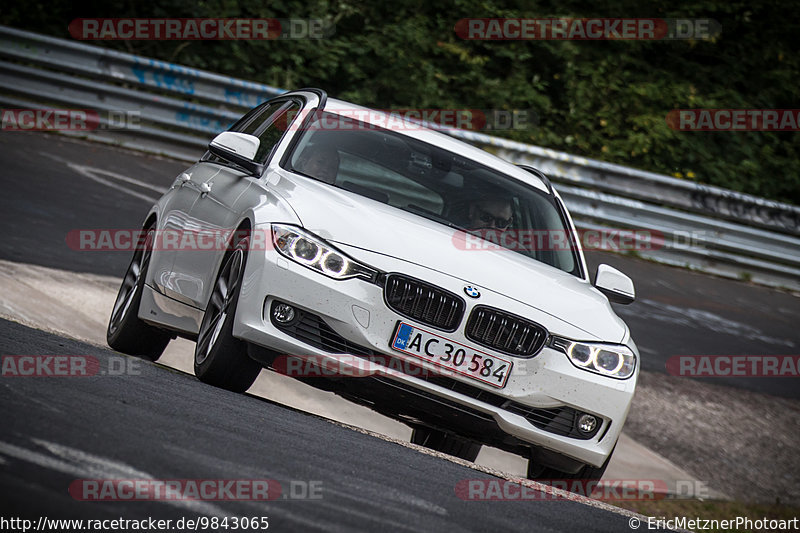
(454, 356)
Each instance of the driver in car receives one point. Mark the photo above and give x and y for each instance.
(492, 213)
(491, 218)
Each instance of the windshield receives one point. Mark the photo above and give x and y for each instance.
(490, 209)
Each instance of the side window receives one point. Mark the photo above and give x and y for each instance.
(253, 119)
(539, 215)
(269, 124)
(273, 129)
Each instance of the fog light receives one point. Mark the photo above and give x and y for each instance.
(587, 423)
(283, 313)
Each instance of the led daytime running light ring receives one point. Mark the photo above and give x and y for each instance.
(293, 251)
(589, 361)
(620, 362)
(323, 264)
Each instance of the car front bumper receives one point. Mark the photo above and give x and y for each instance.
(355, 310)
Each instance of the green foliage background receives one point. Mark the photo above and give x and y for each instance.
(602, 99)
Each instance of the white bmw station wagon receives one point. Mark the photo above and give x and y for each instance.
(420, 276)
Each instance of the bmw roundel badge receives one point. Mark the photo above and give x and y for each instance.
(472, 292)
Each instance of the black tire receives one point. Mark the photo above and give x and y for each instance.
(219, 358)
(126, 333)
(587, 472)
(445, 443)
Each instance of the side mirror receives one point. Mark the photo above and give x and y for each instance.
(615, 285)
(239, 148)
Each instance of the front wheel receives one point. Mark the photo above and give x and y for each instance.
(219, 358)
(126, 333)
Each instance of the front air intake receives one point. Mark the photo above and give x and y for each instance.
(505, 332)
(423, 302)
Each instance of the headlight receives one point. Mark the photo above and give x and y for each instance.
(613, 360)
(310, 251)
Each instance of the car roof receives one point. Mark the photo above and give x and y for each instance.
(414, 130)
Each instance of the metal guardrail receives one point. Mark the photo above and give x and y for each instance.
(708, 228)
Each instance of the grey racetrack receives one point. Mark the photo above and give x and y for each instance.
(165, 425)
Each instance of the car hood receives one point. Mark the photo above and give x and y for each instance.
(347, 218)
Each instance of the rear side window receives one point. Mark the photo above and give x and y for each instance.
(268, 123)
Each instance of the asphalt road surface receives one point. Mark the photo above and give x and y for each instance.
(152, 423)
(51, 185)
